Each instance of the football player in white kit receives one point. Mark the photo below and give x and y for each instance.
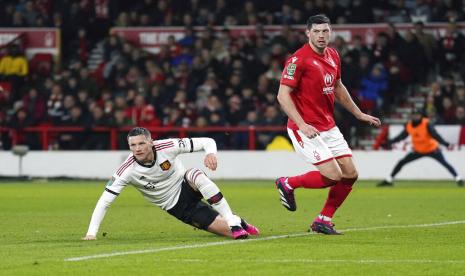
(154, 169)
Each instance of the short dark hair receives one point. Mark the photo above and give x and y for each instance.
(140, 131)
(317, 19)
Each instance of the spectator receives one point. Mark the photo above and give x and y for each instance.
(450, 49)
(448, 113)
(35, 105)
(55, 109)
(72, 140)
(271, 117)
(373, 87)
(96, 140)
(20, 120)
(427, 41)
(414, 58)
(460, 115)
(14, 68)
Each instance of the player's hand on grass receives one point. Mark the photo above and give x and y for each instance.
(373, 121)
(210, 161)
(309, 131)
(89, 238)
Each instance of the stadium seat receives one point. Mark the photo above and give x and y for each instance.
(41, 64)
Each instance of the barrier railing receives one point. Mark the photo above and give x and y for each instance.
(46, 132)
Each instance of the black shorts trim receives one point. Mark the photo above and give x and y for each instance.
(191, 210)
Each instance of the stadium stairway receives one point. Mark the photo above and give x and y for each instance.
(95, 57)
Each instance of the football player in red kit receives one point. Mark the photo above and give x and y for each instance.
(310, 83)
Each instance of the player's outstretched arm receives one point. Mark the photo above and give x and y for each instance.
(432, 131)
(344, 98)
(208, 145)
(99, 213)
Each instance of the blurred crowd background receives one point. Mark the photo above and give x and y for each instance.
(210, 78)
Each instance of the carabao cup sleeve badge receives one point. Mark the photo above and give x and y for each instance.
(291, 69)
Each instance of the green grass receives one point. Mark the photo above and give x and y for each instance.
(42, 224)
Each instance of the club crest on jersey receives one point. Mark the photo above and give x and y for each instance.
(165, 165)
(329, 83)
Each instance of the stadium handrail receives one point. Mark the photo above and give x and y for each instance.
(46, 132)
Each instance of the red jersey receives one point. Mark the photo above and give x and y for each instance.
(313, 79)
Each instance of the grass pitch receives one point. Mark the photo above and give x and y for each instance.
(415, 228)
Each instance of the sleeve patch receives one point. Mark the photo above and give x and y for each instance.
(110, 182)
(181, 143)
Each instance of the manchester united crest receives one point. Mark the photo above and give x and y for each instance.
(165, 165)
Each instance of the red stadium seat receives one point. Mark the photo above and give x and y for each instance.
(41, 64)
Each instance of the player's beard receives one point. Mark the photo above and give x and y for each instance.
(320, 49)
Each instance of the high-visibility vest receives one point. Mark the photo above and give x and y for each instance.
(422, 140)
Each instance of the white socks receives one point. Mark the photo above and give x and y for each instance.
(212, 194)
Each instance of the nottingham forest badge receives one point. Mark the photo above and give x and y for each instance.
(165, 165)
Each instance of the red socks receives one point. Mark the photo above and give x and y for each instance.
(337, 193)
(310, 180)
(336, 196)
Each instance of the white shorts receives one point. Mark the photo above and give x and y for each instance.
(328, 145)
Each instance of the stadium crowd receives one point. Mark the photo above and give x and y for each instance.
(211, 78)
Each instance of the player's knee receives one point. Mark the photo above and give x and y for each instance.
(351, 175)
(335, 176)
(191, 176)
(329, 182)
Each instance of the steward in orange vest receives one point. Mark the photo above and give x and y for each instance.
(425, 142)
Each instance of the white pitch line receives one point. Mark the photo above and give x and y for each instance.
(201, 245)
(419, 261)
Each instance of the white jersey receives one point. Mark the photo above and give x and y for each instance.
(160, 183)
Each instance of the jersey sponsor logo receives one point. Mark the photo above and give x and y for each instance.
(165, 165)
(329, 83)
(150, 186)
(329, 79)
